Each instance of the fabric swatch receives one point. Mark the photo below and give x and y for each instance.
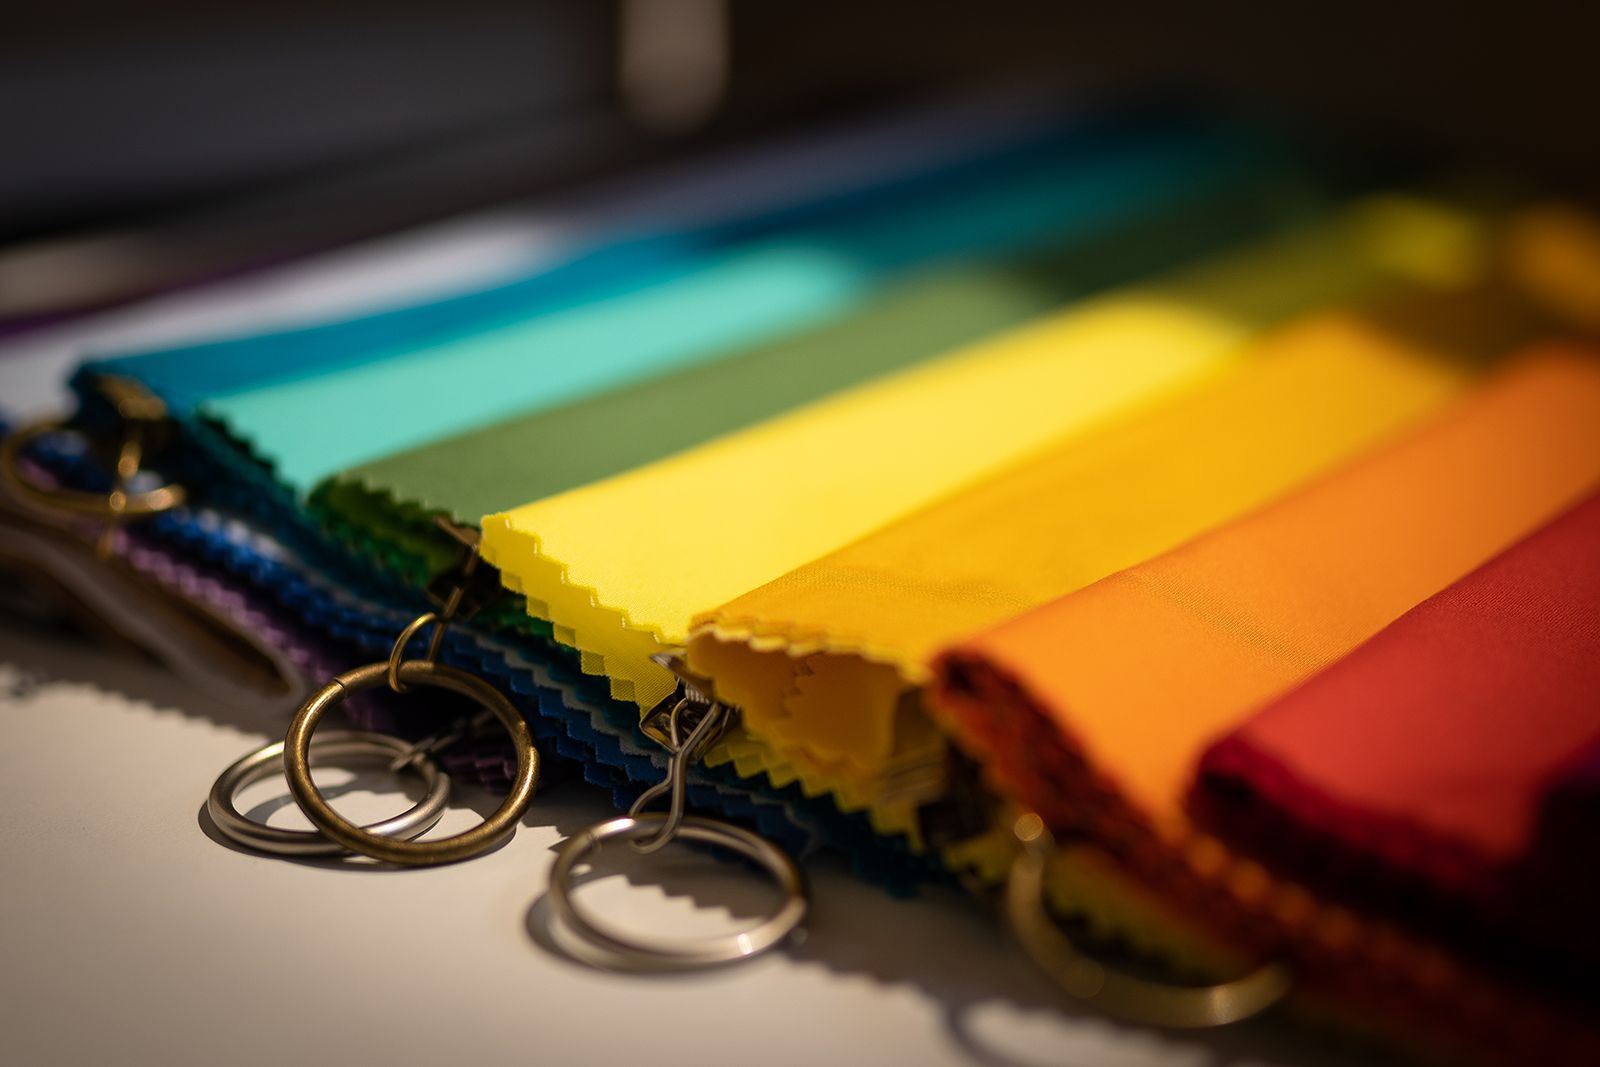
(707, 309)
(594, 324)
(385, 508)
(778, 495)
(1094, 710)
(346, 305)
(1410, 776)
(820, 659)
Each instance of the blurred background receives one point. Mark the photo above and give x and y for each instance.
(146, 142)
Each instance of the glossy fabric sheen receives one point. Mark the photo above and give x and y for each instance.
(1426, 755)
(1094, 710)
(386, 504)
(1142, 669)
(620, 582)
(704, 308)
(818, 658)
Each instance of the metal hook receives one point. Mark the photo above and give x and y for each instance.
(649, 833)
(682, 753)
(460, 592)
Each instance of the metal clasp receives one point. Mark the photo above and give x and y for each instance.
(459, 592)
(686, 723)
(143, 420)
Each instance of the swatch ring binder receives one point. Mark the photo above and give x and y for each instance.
(400, 674)
(492, 831)
(689, 703)
(1114, 992)
(333, 746)
(143, 419)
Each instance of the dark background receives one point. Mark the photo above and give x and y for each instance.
(118, 114)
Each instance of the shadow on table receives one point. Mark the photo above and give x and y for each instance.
(947, 948)
(944, 946)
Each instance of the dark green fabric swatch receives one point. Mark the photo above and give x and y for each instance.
(384, 509)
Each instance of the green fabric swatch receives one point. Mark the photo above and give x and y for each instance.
(384, 509)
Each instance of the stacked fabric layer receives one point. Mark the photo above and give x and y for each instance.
(1236, 520)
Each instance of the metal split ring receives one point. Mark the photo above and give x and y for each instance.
(335, 746)
(769, 933)
(1117, 993)
(492, 831)
(397, 653)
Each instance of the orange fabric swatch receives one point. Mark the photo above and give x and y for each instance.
(1144, 668)
(1094, 709)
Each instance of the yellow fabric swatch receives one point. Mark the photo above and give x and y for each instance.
(620, 567)
(818, 659)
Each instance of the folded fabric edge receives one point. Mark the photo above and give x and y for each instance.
(1369, 965)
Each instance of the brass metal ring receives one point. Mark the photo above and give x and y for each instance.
(115, 505)
(1117, 993)
(397, 653)
(492, 831)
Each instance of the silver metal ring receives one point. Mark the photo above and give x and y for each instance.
(769, 933)
(331, 747)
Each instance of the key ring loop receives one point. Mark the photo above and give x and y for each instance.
(771, 932)
(115, 506)
(331, 747)
(492, 831)
(397, 653)
(1117, 993)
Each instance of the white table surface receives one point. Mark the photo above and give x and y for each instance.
(129, 936)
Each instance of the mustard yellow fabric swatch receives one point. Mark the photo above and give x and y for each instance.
(818, 659)
(621, 567)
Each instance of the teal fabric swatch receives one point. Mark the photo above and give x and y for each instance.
(311, 426)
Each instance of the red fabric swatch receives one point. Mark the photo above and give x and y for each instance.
(1416, 775)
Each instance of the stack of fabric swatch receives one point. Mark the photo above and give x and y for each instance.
(1230, 513)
